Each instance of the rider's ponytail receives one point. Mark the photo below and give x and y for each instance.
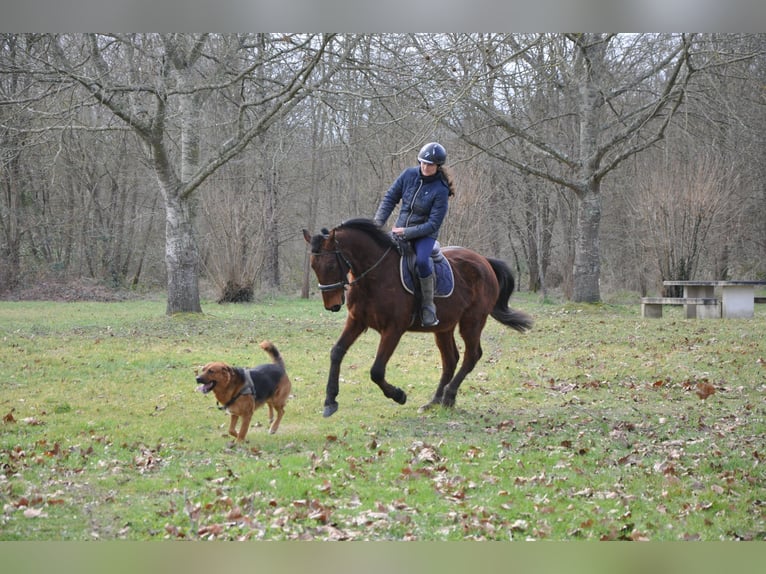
(447, 179)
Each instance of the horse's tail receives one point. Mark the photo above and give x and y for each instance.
(501, 312)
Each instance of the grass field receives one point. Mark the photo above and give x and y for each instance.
(596, 425)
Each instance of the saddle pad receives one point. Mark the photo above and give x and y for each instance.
(445, 281)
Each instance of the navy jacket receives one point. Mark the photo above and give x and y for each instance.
(424, 203)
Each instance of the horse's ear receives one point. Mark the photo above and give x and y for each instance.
(307, 235)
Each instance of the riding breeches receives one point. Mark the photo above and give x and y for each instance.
(423, 247)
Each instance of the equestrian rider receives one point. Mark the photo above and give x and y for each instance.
(423, 191)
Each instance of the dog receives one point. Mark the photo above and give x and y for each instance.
(240, 391)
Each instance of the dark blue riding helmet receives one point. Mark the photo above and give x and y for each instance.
(433, 152)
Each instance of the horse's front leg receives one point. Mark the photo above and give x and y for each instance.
(388, 342)
(450, 356)
(351, 332)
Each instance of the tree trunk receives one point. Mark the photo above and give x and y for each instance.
(270, 278)
(10, 255)
(587, 265)
(181, 257)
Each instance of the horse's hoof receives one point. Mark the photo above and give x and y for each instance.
(400, 396)
(329, 410)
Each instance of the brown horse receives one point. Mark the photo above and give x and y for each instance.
(360, 261)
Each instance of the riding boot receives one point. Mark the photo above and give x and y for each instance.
(428, 309)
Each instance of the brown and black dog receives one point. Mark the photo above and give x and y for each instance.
(240, 391)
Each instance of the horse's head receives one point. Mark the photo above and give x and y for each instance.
(330, 268)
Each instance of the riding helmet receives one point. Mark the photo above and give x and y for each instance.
(433, 152)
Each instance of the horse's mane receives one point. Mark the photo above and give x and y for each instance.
(370, 228)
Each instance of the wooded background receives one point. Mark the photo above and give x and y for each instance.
(592, 163)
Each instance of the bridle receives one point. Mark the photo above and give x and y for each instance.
(343, 260)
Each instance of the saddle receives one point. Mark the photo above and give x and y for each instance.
(444, 282)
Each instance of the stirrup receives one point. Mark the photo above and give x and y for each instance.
(425, 315)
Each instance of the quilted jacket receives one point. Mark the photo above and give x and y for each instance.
(424, 203)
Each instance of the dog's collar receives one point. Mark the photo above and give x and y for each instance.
(247, 389)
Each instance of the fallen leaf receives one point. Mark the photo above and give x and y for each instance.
(173, 530)
(320, 514)
(704, 390)
(519, 524)
(34, 513)
(210, 530)
(637, 536)
(665, 467)
(428, 454)
(32, 421)
(55, 451)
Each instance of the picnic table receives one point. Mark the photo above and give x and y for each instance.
(737, 299)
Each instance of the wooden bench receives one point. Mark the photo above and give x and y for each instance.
(710, 306)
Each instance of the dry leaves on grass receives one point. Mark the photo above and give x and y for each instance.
(8, 418)
(704, 390)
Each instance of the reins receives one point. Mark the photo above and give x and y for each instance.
(343, 259)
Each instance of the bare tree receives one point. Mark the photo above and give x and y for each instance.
(677, 207)
(19, 142)
(616, 95)
(102, 135)
(11, 145)
(163, 99)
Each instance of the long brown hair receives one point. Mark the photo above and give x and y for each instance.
(447, 179)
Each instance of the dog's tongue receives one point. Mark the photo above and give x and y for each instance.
(201, 388)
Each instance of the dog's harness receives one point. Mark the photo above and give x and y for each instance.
(247, 389)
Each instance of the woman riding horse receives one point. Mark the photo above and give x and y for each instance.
(357, 260)
(423, 192)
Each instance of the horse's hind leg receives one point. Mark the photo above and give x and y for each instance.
(386, 347)
(449, 355)
(472, 337)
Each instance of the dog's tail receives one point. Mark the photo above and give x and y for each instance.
(269, 347)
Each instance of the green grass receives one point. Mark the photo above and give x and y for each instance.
(587, 428)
